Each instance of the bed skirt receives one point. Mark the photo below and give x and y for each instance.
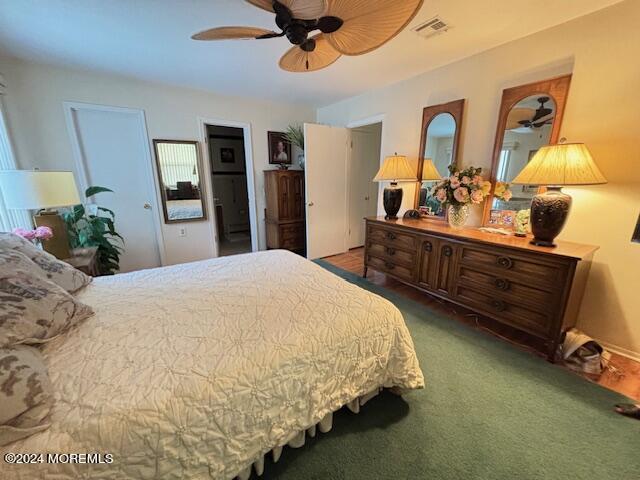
(298, 439)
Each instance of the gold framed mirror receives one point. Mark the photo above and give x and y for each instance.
(439, 144)
(180, 177)
(530, 117)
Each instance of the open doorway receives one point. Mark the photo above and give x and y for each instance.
(362, 191)
(227, 158)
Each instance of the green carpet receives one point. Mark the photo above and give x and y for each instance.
(489, 411)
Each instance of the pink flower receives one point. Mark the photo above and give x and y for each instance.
(461, 194)
(477, 196)
(506, 196)
(43, 233)
(441, 195)
(454, 181)
(466, 180)
(476, 179)
(24, 233)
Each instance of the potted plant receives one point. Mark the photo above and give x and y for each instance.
(459, 190)
(295, 135)
(93, 226)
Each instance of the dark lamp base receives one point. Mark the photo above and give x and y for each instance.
(549, 212)
(392, 200)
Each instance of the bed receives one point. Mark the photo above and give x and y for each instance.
(199, 370)
(184, 209)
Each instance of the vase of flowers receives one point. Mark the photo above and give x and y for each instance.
(36, 236)
(460, 190)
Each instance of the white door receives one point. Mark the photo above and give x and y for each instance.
(364, 163)
(326, 153)
(113, 151)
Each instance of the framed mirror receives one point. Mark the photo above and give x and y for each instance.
(530, 117)
(180, 177)
(439, 142)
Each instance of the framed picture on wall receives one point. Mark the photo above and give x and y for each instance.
(227, 155)
(279, 149)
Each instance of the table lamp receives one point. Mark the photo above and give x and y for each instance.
(429, 171)
(556, 166)
(42, 191)
(394, 169)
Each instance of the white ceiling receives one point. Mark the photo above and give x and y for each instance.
(149, 39)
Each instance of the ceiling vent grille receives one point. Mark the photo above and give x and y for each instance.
(431, 27)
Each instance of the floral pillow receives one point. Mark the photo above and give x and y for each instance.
(25, 393)
(60, 273)
(34, 310)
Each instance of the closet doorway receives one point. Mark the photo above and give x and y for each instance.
(233, 194)
(363, 165)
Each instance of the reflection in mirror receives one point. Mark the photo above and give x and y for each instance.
(180, 180)
(438, 152)
(528, 127)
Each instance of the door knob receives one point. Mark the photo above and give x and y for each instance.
(366, 198)
(310, 204)
(147, 206)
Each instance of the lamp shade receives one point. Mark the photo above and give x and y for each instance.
(562, 164)
(34, 190)
(395, 169)
(429, 171)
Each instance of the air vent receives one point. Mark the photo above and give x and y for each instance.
(432, 27)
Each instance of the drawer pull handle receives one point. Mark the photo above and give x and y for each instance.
(391, 236)
(391, 251)
(498, 305)
(428, 246)
(505, 262)
(448, 251)
(502, 284)
(389, 265)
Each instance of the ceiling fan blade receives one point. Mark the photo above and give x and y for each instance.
(233, 33)
(300, 9)
(519, 116)
(369, 24)
(298, 60)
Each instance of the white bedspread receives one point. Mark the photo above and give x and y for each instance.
(194, 371)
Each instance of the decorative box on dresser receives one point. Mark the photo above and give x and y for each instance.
(285, 211)
(537, 290)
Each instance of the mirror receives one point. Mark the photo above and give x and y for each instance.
(438, 150)
(180, 176)
(530, 118)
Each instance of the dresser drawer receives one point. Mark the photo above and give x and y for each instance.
(503, 263)
(392, 254)
(392, 237)
(389, 266)
(292, 236)
(504, 309)
(517, 291)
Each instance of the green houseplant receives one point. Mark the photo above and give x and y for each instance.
(295, 135)
(93, 226)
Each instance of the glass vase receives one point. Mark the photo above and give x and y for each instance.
(458, 215)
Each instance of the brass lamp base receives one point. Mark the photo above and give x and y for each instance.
(58, 245)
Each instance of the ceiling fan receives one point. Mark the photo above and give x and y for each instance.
(346, 27)
(543, 115)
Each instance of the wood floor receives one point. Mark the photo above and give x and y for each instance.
(623, 376)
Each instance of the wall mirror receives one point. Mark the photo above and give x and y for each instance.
(439, 143)
(530, 117)
(180, 177)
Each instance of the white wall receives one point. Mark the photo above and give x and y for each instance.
(602, 50)
(36, 122)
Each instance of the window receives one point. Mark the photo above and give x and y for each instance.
(503, 165)
(9, 219)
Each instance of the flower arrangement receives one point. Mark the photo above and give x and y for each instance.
(462, 187)
(503, 191)
(37, 235)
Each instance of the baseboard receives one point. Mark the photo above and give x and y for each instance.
(620, 351)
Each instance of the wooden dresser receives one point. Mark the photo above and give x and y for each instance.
(533, 289)
(285, 211)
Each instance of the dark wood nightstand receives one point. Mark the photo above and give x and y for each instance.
(85, 260)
